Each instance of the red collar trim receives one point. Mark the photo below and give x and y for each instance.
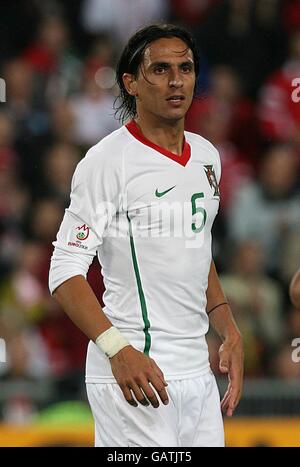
(181, 159)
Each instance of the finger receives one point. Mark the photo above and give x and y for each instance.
(228, 391)
(139, 395)
(232, 395)
(231, 407)
(236, 385)
(239, 396)
(233, 399)
(128, 396)
(150, 394)
(226, 397)
(225, 408)
(228, 406)
(159, 372)
(160, 389)
(236, 396)
(225, 402)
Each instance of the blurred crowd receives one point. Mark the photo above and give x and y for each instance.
(58, 59)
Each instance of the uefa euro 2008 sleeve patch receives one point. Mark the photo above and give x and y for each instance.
(81, 234)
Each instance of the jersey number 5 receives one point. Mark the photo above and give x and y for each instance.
(198, 210)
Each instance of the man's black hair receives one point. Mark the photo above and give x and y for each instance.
(132, 57)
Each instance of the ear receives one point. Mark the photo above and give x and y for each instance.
(130, 84)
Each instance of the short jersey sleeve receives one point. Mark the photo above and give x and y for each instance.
(95, 194)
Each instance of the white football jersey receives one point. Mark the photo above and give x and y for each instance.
(147, 213)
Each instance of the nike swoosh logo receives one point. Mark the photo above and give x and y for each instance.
(162, 193)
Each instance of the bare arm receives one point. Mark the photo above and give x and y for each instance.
(231, 350)
(295, 289)
(79, 302)
(132, 369)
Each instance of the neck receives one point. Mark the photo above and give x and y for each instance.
(166, 134)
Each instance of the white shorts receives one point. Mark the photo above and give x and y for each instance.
(192, 417)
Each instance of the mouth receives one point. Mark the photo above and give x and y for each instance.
(176, 98)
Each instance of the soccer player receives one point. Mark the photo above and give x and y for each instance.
(144, 200)
(295, 290)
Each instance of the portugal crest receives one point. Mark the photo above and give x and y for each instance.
(212, 179)
(83, 232)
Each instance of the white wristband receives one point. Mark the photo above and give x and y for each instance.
(111, 342)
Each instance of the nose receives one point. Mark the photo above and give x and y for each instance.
(175, 80)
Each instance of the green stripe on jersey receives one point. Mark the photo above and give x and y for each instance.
(141, 292)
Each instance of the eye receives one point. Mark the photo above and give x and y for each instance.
(186, 68)
(160, 69)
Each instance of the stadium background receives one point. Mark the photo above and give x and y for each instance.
(57, 59)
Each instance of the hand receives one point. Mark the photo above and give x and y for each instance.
(232, 362)
(134, 371)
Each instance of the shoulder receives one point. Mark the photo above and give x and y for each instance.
(205, 148)
(197, 141)
(110, 148)
(107, 153)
